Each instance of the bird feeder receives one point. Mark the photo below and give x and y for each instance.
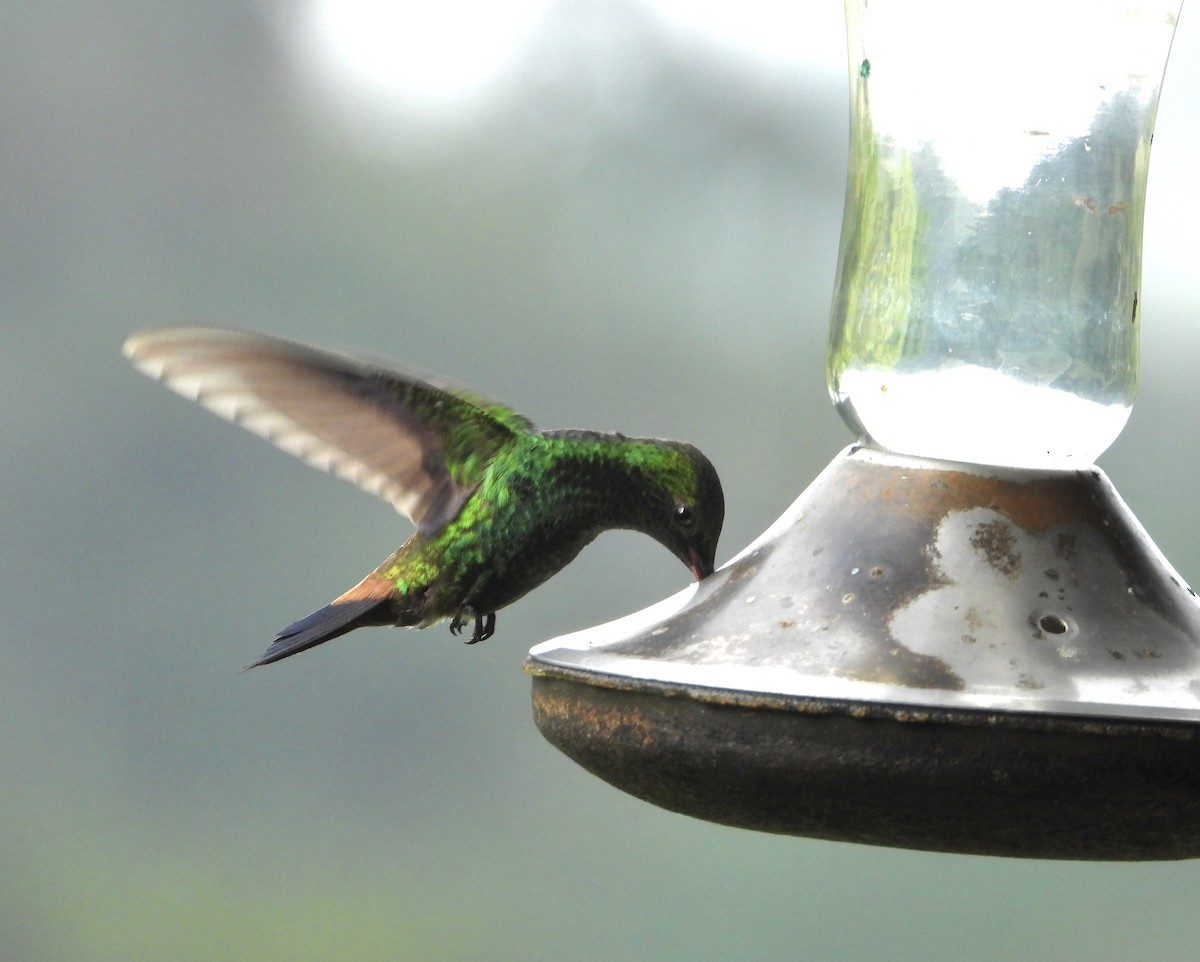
(958, 638)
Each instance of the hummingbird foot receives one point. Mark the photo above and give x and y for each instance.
(485, 624)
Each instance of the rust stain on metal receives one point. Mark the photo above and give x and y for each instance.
(996, 542)
(930, 495)
(909, 669)
(630, 726)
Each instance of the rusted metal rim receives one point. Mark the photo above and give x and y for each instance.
(949, 780)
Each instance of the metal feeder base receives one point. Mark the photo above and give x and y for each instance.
(941, 780)
(920, 654)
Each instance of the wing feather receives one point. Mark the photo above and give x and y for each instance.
(392, 434)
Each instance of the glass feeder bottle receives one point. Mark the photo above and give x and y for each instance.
(986, 304)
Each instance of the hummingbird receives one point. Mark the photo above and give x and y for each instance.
(499, 506)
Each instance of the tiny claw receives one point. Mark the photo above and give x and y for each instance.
(485, 624)
(485, 627)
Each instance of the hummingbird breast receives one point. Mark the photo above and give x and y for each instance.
(524, 542)
(537, 509)
(538, 506)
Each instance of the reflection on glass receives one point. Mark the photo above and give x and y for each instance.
(986, 307)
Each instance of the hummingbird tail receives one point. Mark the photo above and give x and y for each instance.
(355, 609)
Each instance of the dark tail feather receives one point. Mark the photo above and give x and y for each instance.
(321, 626)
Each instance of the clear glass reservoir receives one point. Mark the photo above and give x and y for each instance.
(986, 307)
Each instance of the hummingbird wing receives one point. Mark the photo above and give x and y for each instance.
(422, 447)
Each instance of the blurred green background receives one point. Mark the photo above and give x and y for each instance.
(636, 231)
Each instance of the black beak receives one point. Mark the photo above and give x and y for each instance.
(700, 567)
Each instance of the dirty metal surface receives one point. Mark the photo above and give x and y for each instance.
(917, 654)
(903, 581)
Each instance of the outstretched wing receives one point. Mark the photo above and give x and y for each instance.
(422, 447)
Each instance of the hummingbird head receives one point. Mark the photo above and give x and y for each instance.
(688, 508)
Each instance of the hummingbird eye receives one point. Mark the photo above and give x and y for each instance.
(684, 516)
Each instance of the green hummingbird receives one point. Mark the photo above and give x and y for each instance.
(498, 505)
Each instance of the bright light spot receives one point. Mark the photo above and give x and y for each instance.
(437, 56)
(431, 54)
